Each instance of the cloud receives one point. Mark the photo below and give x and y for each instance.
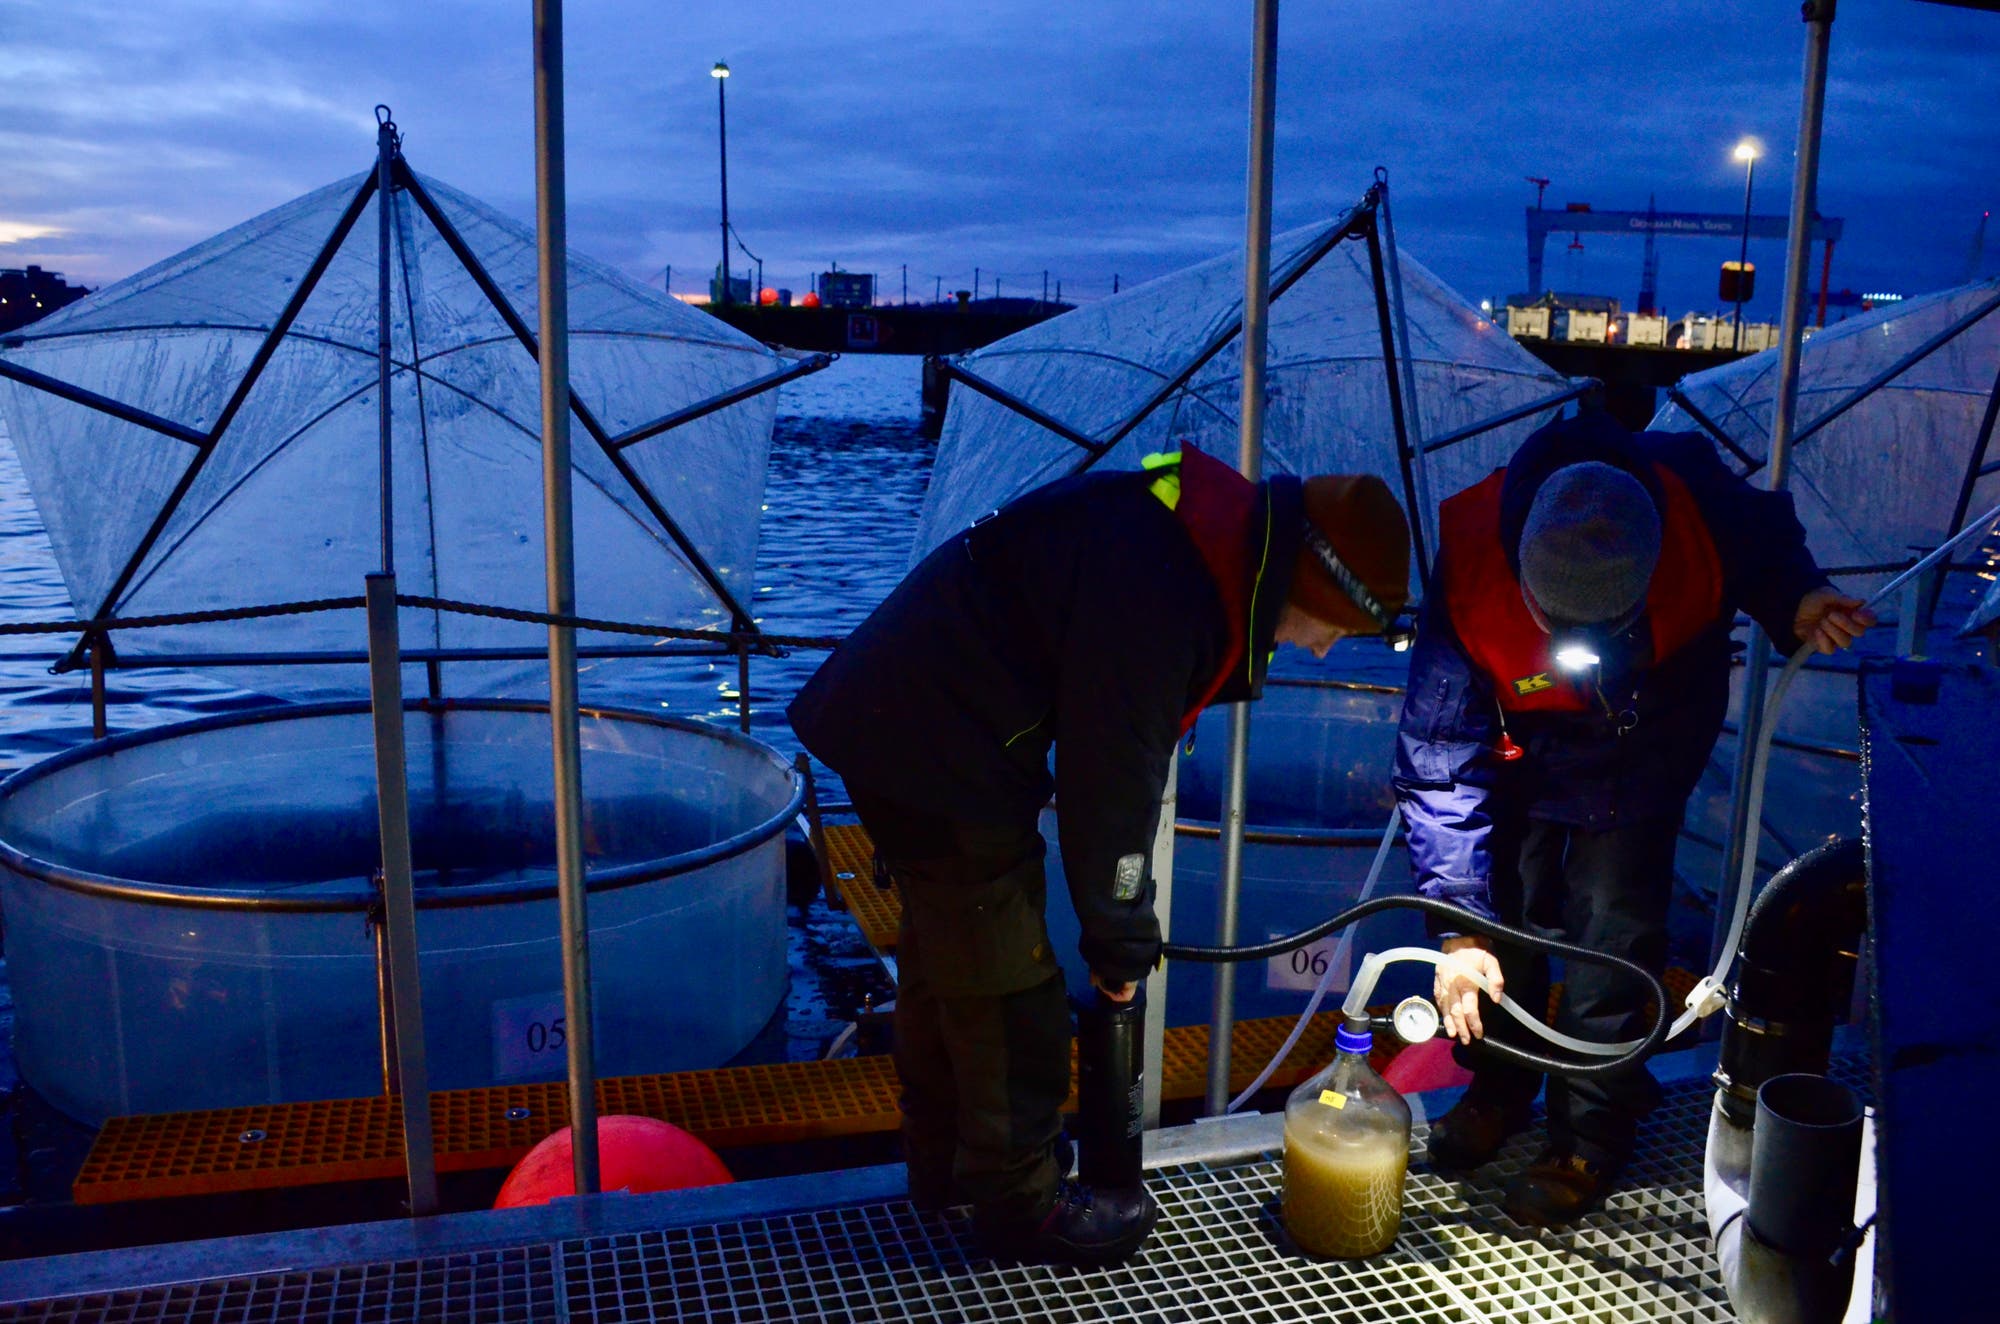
(1090, 140)
(18, 232)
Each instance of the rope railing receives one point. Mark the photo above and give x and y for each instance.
(754, 639)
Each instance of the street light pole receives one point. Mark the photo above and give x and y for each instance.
(720, 73)
(1746, 152)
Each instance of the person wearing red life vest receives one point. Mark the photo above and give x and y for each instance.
(1569, 680)
(1093, 618)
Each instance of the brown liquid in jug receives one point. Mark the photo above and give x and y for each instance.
(1344, 1194)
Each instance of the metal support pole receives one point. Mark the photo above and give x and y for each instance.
(1413, 421)
(399, 908)
(1153, 1044)
(100, 724)
(385, 155)
(553, 296)
(743, 687)
(1743, 255)
(1250, 461)
(722, 142)
(1818, 16)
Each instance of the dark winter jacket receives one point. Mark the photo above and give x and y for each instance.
(1576, 766)
(1086, 616)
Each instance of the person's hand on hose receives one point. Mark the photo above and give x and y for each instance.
(1457, 997)
(1116, 992)
(1829, 620)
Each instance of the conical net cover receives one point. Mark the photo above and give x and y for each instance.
(1896, 473)
(285, 505)
(1327, 394)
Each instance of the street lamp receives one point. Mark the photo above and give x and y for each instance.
(720, 73)
(1746, 152)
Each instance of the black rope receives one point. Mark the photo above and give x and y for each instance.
(106, 624)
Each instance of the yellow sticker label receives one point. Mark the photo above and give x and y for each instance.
(1534, 684)
(1333, 1098)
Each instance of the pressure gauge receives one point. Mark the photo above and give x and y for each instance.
(1415, 1020)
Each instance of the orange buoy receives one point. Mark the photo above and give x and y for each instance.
(633, 1154)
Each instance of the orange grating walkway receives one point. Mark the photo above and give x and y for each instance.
(850, 859)
(277, 1146)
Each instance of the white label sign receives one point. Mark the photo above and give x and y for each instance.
(1299, 971)
(529, 1038)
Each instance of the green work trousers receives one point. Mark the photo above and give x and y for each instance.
(982, 1019)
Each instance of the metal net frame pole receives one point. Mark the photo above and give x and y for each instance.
(404, 1033)
(1818, 16)
(1411, 433)
(551, 240)
(1250, 461)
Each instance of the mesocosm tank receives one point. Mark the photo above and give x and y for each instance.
(188, 909)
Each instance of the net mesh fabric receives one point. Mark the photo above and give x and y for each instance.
(286, 507)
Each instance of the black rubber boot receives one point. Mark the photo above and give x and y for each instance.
(1087, 1228)
(1473, 1132)
(1557, 1188)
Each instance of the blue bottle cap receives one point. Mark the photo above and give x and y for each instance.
(1353, 1041)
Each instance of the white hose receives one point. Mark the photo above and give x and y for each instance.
(1371, 970)
(1340, 955)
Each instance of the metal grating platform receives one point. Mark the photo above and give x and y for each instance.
(1219, 1254)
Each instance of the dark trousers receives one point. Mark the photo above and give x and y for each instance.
(1607, 891)
(982, 1018)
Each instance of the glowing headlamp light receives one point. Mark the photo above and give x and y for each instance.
(1576, 655)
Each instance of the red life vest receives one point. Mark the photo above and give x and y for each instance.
(1221, 509)
(1483, 595)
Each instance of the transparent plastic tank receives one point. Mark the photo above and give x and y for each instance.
(1347, 1146)
(187, 908)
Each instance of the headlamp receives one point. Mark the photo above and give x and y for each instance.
(1576, 653)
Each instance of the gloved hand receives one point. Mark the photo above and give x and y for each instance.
(1116, 992)
(1457, 997)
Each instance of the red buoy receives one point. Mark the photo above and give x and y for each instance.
(633, 1154)
(1426, 1066)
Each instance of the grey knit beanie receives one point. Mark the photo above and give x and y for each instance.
(1590, 543)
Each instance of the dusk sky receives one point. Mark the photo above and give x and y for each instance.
(1085, 138)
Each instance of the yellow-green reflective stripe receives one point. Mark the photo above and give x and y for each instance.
(1023, 731)
(1167, 487)
(1250, 643)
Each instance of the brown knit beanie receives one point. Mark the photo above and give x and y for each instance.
(1358, 515)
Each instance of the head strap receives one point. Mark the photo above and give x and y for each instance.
(1350, 583)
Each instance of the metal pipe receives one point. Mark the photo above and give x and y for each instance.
(701, 409)
(743, 688)
(100, 725)
(721, 72)
(1250, 461)
(1818, 15)
(551, 241)
(1411, 434)
(385, 152)
(1154, 1035)
(1393, 380)
(1743, 251)
(399, 911)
